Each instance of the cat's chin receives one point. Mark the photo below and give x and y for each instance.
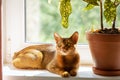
(65, 53)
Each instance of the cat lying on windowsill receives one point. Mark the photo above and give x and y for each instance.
(63, 60)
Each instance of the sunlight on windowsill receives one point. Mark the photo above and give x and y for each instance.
(84, 73)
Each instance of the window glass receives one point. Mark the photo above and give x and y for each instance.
(43, 19)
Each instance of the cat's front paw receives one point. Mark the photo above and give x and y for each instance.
(73, 73)
(65, 74)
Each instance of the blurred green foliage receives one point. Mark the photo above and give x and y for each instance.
(80, 20)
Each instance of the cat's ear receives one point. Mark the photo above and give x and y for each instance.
(57, 37)
(74, 37)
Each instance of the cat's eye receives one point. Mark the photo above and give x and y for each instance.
(59, 45)
(68, 45)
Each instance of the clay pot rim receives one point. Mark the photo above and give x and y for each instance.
(103, 37)
(89, 32)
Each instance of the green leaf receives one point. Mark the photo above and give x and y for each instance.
(118, 1)
(89, 6)
(110, 10)
(93, 2)
(65, 11)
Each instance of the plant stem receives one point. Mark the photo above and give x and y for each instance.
(114, 21)
(113, 25)
(101, 14)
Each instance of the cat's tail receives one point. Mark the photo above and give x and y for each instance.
(30, 58)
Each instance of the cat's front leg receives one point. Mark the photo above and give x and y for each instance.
(65, 74)
(73, 72)
(57, 70)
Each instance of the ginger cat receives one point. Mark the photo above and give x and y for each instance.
(63, 60)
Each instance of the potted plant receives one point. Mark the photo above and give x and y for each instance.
(104, 43)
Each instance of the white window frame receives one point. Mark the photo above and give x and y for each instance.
(13, 31)
(13, 27)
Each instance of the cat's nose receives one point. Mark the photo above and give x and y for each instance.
(64, 50)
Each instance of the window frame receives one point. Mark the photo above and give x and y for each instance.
(14, 32)
(13, 27)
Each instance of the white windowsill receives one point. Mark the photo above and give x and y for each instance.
(84, 73)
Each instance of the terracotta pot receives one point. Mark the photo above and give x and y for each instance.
(105, 50)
